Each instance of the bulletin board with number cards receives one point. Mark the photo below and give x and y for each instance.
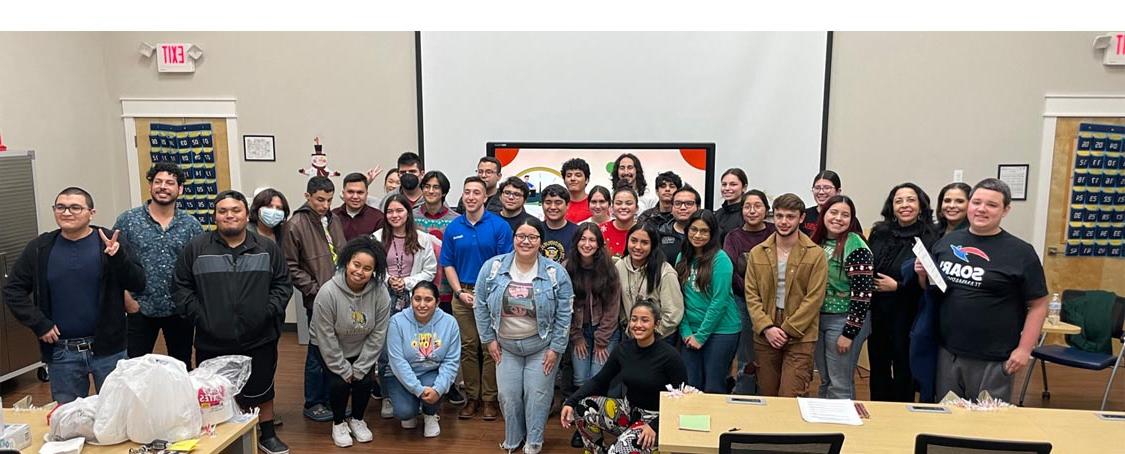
(198, 147)
(1096, 222)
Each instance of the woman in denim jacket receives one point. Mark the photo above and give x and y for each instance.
(523, 310)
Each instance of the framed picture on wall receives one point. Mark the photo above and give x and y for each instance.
(258, 148)
(1016, 177)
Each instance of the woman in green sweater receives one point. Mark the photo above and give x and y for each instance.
(711, 326)
(844, 314)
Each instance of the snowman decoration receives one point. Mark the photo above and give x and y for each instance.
(318, 163)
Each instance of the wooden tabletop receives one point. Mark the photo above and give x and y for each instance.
(225, 435)
(1060, 328)
(891, 428)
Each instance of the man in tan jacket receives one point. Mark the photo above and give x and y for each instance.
(312, 238)
(785, 281)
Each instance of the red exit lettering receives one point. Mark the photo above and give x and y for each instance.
(173, 55)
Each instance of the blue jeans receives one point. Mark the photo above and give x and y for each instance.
(525, 391)
(317, 388)
(590, 366)
(405, 403)
(71, 369)
(836, 370)
(709, 367)
(745, 384)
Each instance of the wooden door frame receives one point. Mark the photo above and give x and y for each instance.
(1057, 106)
(133, 108)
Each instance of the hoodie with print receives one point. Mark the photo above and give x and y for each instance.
(348, 324)
(414, 349)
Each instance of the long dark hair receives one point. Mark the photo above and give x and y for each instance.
(639, 183)
(925, 213)
(821, 233)
(410, 243)
(941, 220)
(706, 258)
(597, 278)
(367, 245)
(264, 197)
(655, 260)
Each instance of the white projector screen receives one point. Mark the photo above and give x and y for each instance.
(759, 96)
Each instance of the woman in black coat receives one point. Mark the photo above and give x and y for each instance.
(906, 215)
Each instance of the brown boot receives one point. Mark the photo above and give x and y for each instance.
(469, 411)
(491, 410)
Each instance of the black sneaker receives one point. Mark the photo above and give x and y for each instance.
(273, 445)
(454, 396)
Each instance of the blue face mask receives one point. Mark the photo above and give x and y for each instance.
(270, 217)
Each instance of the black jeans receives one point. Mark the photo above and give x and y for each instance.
(888, 350)
(339, 391)
(179, 335)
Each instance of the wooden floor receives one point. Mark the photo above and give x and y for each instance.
(1070, 388)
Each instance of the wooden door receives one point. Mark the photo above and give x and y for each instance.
(197, 145)
(1067, 271)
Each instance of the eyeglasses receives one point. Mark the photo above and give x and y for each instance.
(512, 194)
(529, 238)
(486, 172)
(73, 209)
(683, 203)
(823, 188)
(698, 232)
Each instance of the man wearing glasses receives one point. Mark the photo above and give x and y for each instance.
(513, 194)
(685, 202)
(488, 170)
(78, 279)
(472, 238)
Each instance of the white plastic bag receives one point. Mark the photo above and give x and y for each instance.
(148, 398)
(73, 420)
(216, 382)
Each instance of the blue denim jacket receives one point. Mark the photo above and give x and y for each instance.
(554, 299)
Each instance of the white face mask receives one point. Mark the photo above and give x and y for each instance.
(270, 217)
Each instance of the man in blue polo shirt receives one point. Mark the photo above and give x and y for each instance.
(472, 238)
(157, 231)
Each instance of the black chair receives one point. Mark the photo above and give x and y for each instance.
(747, 443)
(941, 444)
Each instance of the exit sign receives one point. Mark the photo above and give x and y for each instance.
(174, 58)
(1114, 47)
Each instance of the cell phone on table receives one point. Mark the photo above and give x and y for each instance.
(747, 400)
(927, 408)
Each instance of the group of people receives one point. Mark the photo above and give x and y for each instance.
(612, 296)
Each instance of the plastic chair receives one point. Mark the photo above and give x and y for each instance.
(1074, 357)
(748, 443)
(942, 444)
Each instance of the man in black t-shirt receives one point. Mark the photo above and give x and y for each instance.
(993, 309)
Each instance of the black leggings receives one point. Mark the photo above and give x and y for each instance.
(888, 350)
(340, 390)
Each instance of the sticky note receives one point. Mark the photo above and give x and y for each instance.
(698, 423)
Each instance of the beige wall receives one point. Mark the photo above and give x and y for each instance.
(53, 99)
(354, 90)
(916, 106)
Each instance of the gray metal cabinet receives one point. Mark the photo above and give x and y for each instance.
(19, 350)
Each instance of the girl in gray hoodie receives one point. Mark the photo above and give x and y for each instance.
(349, 323)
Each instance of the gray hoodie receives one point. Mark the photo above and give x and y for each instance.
(347, 324)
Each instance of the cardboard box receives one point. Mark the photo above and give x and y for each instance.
(17, 436)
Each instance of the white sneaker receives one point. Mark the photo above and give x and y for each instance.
(388, 410)
(341, 436)
(409, 423)
(431, 428)
(359, 430)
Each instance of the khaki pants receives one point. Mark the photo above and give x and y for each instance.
(786, 372)
(480, 382)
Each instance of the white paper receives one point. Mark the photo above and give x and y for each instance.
(923, 254)
(1016, 177)
(829, 411)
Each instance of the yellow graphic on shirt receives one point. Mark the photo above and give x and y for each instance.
(426, 343)
(359, 319)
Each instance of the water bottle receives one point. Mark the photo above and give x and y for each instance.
(1053, 309)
